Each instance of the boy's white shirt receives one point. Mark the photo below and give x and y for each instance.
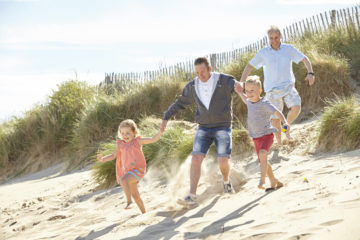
(205, 90)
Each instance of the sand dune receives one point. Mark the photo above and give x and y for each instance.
(320, 200)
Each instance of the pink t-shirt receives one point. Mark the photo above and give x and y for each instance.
(129, 157)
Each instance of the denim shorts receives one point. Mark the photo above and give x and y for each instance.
(205, 136)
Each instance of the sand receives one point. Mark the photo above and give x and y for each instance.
(320, 200)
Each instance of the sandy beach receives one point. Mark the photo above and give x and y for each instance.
(320, 200)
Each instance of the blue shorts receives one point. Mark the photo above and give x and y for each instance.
(205, 136)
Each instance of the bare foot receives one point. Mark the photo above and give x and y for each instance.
(128, 206)
(276, 184)
(288, 136)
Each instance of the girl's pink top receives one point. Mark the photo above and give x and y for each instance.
(129, 157)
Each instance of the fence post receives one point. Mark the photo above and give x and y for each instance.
(333, 18)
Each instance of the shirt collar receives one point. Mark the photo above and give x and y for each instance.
(280, 47)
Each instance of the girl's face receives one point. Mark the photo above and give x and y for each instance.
(127, 134)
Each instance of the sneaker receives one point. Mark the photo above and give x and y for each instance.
(261, 185)
(228, 188)
(189, 200)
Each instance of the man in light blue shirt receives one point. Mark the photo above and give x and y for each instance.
(279, 80)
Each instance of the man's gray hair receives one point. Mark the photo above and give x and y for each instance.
(274, 29)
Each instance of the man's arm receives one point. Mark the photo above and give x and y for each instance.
(184, 100)
(246, 72)
(310, 77)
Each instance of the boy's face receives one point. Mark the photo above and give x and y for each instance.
(252, 92)
(127, 134)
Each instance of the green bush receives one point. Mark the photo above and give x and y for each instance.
(340, 126)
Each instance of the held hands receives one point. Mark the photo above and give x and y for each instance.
(238, 87)
(310, 78)
(99, 157)
(163, 126)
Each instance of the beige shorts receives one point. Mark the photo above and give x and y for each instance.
(289, 95)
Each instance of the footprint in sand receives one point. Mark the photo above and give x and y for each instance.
(265, 236)
(332, 222)
(303, 210)
(262, 225)
(56, 217)
(302, 236)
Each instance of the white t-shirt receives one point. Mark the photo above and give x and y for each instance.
(277, 65)
(205, 90)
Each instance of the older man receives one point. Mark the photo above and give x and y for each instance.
(279, 80)
(211, 93)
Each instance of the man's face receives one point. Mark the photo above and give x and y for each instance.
(203, 72)
(274, 39)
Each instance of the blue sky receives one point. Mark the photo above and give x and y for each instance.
(44, 42)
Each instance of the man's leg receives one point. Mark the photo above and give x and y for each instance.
(224, 167)
(293, 114)
(276, 123)
(195, 172)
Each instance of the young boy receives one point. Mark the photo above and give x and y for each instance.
(260, 129)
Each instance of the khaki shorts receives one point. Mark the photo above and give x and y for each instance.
(289, 95)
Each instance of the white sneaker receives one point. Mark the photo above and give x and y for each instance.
(228, 188)
(189, 200)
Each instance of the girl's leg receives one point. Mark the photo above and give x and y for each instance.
(126, 182)
(136, 196)
(263, 165)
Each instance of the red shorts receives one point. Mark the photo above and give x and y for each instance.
(263, 142)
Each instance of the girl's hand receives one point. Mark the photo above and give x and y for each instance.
(99, 157)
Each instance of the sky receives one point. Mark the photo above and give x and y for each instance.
(46, 42)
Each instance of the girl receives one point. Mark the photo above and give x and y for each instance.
(130, 160)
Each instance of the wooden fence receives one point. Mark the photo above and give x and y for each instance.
(344, 18)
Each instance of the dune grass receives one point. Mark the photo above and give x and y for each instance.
(340, 125)
(77, 119)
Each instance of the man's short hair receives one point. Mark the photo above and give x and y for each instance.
(274, 29)
(201, 60)
(253, 80)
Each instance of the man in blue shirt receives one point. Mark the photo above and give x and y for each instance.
(279, 80)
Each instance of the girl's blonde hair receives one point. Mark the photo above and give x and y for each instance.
(130, 124)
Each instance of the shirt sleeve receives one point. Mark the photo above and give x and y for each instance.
(269, 107)
(296, 55)
(258, 61)
(184, 100)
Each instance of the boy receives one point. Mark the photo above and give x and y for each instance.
(260, 129)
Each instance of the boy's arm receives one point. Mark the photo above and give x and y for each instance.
(153, 139)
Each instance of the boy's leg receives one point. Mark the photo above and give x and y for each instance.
(263, 164)
(125, 182)
(136, 196)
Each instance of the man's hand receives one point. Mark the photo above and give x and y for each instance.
(238, 87)
(163, 126)
(310, 78)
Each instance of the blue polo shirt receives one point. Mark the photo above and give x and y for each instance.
(277, 65)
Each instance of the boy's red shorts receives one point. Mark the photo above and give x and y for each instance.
(263, 142)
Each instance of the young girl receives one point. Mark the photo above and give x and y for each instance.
(130, 160)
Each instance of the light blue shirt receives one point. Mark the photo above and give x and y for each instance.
(277, 65)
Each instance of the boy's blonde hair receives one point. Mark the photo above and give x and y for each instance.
(253, 80)
(130, 124)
